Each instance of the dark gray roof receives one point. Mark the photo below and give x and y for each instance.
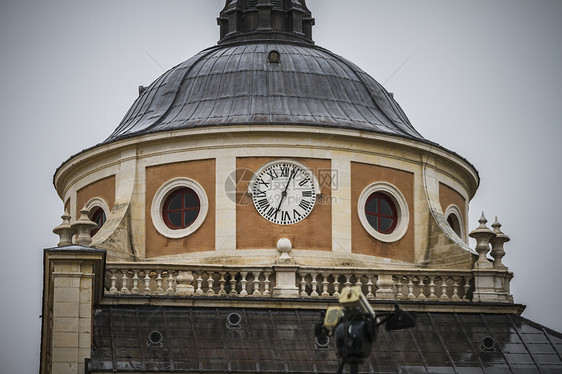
(198, 340)
(235, 84)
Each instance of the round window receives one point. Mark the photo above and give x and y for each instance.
(98, 216)
(381, 213)
(181, 208)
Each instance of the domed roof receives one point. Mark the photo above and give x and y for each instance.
(265, 70)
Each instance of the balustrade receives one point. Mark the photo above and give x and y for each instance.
(183, 280)
(177, 281)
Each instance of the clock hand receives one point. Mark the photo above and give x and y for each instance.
(284, 193)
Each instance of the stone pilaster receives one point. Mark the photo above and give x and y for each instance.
(73, 283)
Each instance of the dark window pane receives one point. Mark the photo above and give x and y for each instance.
(191, 200)
(190, 216)
(175, 203)
(373, 221)
(371, 206)
(386, 224)
(175, 218)
(385, 208)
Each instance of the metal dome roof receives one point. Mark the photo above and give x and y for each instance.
(240, 84)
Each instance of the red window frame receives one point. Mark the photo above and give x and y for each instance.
(166, 211)
(394, 217)
(98, 217)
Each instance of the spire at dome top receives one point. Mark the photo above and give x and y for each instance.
(247, 20)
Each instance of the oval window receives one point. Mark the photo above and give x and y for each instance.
(181, 208)
(381, 213)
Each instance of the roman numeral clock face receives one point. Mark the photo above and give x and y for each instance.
(284, 193)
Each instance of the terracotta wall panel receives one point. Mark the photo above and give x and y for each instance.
(103, 188)
(203, 239)
(448, 196)
(253, 231)
(362, 242)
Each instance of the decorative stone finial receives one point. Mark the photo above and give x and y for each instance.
(482, 234)
(497, 245)
(284, 246)
(83, 226)
(64, 230)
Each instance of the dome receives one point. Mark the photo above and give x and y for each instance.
(265, 69)
(241, 84)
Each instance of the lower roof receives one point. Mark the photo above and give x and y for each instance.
(200, 340)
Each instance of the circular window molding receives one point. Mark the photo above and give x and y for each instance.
(401, 210)
(158, 204)
(453, 210)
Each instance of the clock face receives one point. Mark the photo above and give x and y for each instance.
(284, 193)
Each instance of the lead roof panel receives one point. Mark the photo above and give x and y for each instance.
(235, 84)
(282, 341)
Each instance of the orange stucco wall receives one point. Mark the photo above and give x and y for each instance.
(362, 175)
(203, 239)
(103, 188)
(253, 231)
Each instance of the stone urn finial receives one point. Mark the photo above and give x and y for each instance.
(64, 230)
(497, 245)
(83, 226)
(482, 234)
(284, 246)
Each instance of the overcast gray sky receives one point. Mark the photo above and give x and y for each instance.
(482, 79)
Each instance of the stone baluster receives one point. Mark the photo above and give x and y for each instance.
(233, 284)
(199, 290)
(124, 283)
(256, 284)
(113, 280)
(210, 284)
(325, 285)
(336, 286)
(243, 282)
(147, 290)
(222, 282)
(183, 284)
(432, 294)
(83, 226)
(266, 283)
(170, 289)
(455, 289)
(135, 290)
(444, 295)
(498, 241)
(314, 285)
(347, 280)
(421, 287)
(466, 289)
(411, 295)
(482, 234)
(64, 231)
(358, 282)
(159, 280)
(303, 285)
(370, 285)
(399, 285)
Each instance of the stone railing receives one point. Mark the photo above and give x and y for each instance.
(285, 281)
(416, 284)
(179, 280)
